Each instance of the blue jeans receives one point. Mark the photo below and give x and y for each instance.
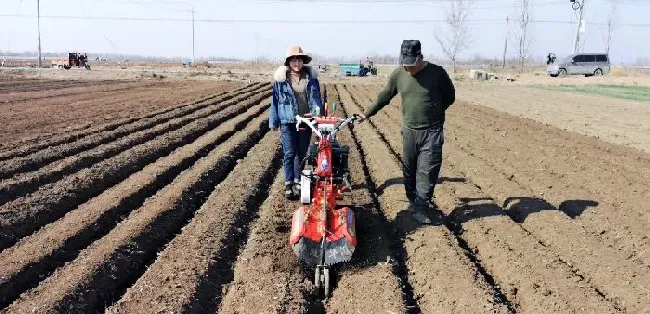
(294, 146)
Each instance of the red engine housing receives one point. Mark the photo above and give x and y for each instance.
(308, 220)
(323, 218)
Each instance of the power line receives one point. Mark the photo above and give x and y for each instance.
(437, 3)
(209, 20)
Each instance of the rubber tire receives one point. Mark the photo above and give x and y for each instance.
(598, 72)
(561, 73)
(326, 286)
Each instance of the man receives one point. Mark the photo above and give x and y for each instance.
(426, 91)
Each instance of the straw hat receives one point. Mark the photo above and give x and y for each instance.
(296, 51)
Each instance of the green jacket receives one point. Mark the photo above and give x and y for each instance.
(425, 96)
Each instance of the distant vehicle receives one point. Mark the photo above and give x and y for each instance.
(323, 68)
(358, 69)
(587, 64)
(187, 63)
(74, 59)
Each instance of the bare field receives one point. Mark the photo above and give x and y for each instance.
(615, 120)
(34, 110)
(170, 200)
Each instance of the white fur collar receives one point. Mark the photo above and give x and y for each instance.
(280, 74)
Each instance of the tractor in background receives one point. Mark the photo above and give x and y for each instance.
(74, 59)
(358, 69)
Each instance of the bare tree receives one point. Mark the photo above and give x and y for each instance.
(459, 37)
(523, 35)
(610, 28)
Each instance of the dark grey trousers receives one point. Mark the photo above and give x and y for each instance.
(421, 159)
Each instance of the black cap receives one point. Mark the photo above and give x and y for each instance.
(410, 51)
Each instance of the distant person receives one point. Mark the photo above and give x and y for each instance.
(3, 63)
(427, 92)
(296, 91)
(550, 58)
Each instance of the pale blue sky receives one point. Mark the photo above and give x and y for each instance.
(256, 35)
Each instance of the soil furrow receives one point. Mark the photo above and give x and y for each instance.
(24, 215)
(103, 271)
(43, 85)
(25, 183)
(621, 281)
(541, 167)
(616, 221)
(191, 283)
(371, 277)
(66, 138)
(267, 275)
(431, 251)
(73, 91)
(43, 157)
(382, 120)
(462, 215)
(35, 257)
(609, 271)
(42, 120)
(568, 169)
(534, 279)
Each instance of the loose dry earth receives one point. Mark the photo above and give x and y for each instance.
(615, 120)
(166, 197)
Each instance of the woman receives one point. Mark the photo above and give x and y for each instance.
(296, 91)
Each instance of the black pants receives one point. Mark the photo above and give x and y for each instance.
(421, 159)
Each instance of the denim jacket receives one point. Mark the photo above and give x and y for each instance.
(284, 106)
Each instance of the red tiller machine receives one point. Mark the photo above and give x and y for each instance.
(323, 233)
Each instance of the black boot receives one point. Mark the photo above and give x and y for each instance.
(288, 191)
(420, 211)
(296, 189)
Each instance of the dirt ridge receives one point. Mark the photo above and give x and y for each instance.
(566, 268)
(68, 137)
(22, 216)
(42, 157)
(113, 263)
(35, 257)
(179, 282)
(415, 237)
(25, 183)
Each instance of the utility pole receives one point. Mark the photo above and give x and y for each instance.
(38, 14)
(192, 34)
(579, 26)
(257, 50)
(505, 49)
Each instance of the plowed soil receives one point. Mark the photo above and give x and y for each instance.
(161, 197)
(30, 114)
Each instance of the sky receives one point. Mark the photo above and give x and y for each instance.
(250, 28)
